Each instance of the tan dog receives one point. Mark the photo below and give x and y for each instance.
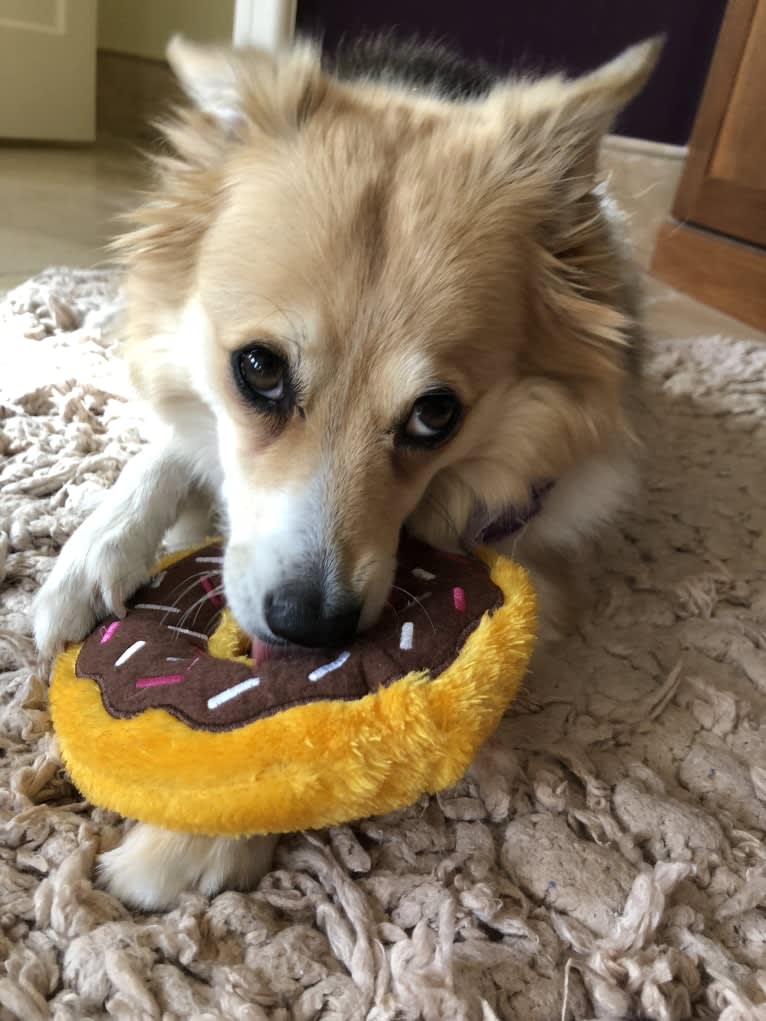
(358, 304)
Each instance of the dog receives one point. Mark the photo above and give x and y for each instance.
(375, 292)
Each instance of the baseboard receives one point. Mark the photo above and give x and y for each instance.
(727, 274)
(645, 147)
(131, 93)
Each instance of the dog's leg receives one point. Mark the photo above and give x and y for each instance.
(152, 866)
(195, 524)
(112, 551)
(560, 597)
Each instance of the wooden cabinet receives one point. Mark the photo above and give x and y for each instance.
(715, 246)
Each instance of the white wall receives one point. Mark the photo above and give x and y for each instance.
(143, 27)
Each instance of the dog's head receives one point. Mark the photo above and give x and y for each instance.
(388, 306)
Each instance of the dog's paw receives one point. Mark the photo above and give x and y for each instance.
(91, 579)
(152, 866)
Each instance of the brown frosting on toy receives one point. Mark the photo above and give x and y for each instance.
(157, 655)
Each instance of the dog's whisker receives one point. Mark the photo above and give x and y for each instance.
(418, 602)
(197, 605)
(188, 584)
(187, 589)
(445, 515)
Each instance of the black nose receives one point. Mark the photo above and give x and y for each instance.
(294, 611)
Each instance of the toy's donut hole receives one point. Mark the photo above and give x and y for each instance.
(229, 641)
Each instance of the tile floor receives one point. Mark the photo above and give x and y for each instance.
(57, 205)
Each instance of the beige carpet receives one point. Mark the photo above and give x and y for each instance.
(606, 857)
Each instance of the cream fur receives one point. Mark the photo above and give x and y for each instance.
(151, 867)
(383, 240)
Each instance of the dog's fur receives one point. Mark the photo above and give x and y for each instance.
(386, 233)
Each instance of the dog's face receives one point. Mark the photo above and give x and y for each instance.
(372, 307)
(355, 339)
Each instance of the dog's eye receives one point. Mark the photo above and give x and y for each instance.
(261, 374)
(432, 419)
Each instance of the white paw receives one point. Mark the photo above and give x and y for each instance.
(91, 579)
(152, 866)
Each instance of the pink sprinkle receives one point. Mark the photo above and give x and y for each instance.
(156, 682)
(460, 558)
(108, 632)
(207, 585)
(458, 599)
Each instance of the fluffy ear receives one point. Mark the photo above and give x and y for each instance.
(209, 76)
(237, 87)
(565, 119)
(599, 96)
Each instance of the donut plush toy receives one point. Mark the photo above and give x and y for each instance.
(163, 716)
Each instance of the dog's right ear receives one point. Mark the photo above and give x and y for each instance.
(249, 88)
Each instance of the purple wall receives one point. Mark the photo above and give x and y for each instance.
(573, 35)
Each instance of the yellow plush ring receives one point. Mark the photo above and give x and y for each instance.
(328, 760)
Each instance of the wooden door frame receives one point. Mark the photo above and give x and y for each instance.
(268, 24)
(707, 249)
(701, 198)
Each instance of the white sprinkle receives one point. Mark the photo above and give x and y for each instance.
(230, 693)
(420, 572)
(130, 651)
(156, 606)
(175, 659)
(209, 560)
(405, 642)
(322, 671)
(158, 579)
(417, 600)
(186, 631)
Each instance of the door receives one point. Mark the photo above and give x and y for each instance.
(724, 182)
(48, 69)
(557, 35)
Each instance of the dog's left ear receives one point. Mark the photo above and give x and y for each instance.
(562, 121)
(241, 88)
(596, 98)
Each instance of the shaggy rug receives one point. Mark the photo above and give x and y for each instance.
(605, 857)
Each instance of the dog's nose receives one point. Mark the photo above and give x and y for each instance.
(294, 612)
